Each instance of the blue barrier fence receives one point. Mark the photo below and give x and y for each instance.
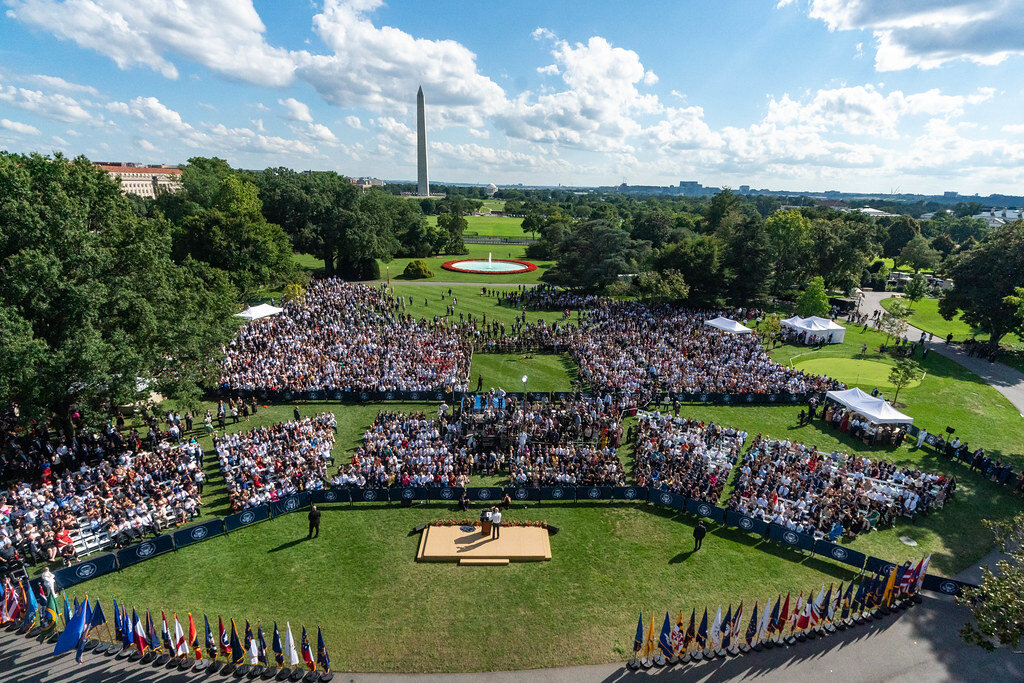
(126, 557)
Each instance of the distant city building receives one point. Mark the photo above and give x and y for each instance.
(996, 217)
(744, 189)
(143, 180)
(689, 187)
(950, 194)
(366, 183)
(868, 211)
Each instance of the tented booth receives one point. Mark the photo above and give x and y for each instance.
(257, 312)
(728, 325)
(876, 410)
(816, 327)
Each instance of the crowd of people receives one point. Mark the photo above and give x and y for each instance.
(349, 337)
(831, 495)
(684, 456)
(270, 463)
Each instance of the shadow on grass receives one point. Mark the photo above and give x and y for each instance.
(289, 544)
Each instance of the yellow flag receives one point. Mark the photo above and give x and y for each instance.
(887, 594)
(650, 638)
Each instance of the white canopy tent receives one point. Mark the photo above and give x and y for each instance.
(876, 410)
(257, 312)
(728, 325)
(817, 327)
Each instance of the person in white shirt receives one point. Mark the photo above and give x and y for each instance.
(496, 523)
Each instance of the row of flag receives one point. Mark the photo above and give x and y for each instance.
(19, 604)
(770, 623)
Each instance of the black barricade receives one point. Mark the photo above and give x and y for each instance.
(943, 585)
(839, 553)
(795, 539)
(523, 493)
(199, 532)
(754, 525)
(400, 493)
(629, 492)
(669, 499)
(875, 565)
(83, 571)
(290, 504)
(702, 509)
(246, 517)
(593, 492)
(445, 493)
(134, 554)
(331, 495)
(370, 495)
(484, 493)
(558, 493)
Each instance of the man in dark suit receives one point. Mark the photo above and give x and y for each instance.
(699, 532)
(314, 522)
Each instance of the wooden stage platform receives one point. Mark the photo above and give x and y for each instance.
(458, 544)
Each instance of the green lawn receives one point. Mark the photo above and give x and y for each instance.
(476, 251)
(470, 302)
(925, 316)
(490, 226)
(545, 372)
(382, 611)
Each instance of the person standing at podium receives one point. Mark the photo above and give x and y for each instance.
(496, 523)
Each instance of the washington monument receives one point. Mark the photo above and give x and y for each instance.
(423, 185)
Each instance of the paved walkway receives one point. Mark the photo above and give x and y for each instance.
(920, 644)
(1006, 380)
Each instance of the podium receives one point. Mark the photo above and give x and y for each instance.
(485, 528)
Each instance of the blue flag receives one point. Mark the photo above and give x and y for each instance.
(127, 629)
(211, 644)
(237, 653)
(278, 649)
(665, 640)
(322, 658)
(638, 640)
(98, 617)
(702, 631)
(67, 610)
(88, 612)
(117, 622)
(71, 634)
(32, 607)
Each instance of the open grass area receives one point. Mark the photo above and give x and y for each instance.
(427, 302)
(545, 372)
(490, 226)
(382, 611)
(476, 251)
(925, 316)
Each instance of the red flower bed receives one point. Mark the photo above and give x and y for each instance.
(454, 266)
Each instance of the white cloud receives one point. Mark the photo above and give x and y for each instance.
(318, 131)
(1014, 129)
(226, 36)
(929, 33)
(354, 122)
(297, 111)
(58, 83)
(146, 145)
(50, 105)
(18, 127)
(380, 68)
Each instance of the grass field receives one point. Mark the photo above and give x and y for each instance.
(471, 302)
(490, 226)
(545, 372)
(854, 372)
(382, 611)
(476, 251)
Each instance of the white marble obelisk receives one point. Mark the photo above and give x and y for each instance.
(423, 184)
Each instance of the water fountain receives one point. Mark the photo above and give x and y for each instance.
(491, 265)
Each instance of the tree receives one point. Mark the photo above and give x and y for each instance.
(452, 225)
(983, 278)
(918, 254)
(595, 254)
(748, 261)
(916, 288)
(814, 299)
(723, 209)
(532, 223)
(771, 328)
(666, 287)
(893, 324)
(997, 605)
(790, 236)
(841, 250)
(1017, 301)
(900, 231)
(91, 301)
(943, 244)
(654, 226)
(902, 374)
(700, 260)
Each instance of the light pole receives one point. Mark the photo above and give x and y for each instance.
(524, 394)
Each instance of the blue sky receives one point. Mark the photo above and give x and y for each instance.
(856, 95)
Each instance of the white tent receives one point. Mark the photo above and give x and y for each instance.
(816, 327)
(877, 410)
(257, 312)
(728, 325)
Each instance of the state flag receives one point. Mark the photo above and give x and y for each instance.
(278, 648)
(691, 631)
(211, 644)
(289, 645)
(237, 652)
(181, 648)
(307, 651)
(638, 639)
(139, 633)
(665, 639)
(702, 631)
(750, 637)
(324, 660)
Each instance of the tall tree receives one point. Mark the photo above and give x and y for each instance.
(900, 231)
(452, 225)
(918, 254)
(595, 254)
(92, 306)
(790, 236)
(841, 249)
(983, 278)
(997, 605)
(701, 262)
(814, 299)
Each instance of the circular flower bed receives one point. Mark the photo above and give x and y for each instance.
(498, 266)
